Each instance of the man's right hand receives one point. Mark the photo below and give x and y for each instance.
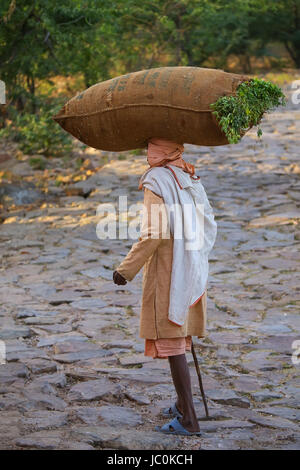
(119, 279)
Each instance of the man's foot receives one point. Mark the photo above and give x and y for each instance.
(189, 425)
(175, 427)
(178, 406)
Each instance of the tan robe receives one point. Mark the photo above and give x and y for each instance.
(156, 254)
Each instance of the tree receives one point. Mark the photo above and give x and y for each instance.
(42, 39)
(280, 21)
(159, 32)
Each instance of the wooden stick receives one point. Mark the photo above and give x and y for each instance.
(200, 380)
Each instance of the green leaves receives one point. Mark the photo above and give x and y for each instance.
(38, 133)
(236, 114)
(85, 42)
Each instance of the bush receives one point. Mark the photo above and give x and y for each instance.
(37, 163)
(38, 133)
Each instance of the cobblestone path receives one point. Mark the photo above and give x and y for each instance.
(75, 375)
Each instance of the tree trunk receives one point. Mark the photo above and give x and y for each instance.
(3, 114)
(294, 52)
(31, 88)
(245, 62)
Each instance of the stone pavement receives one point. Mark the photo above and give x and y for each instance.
(75, 375)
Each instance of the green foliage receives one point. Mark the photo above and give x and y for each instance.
(38, 133)
(79, 162)
(95, 40)
(40, 40)
(37, 163)
(44, 38)
(137, 152)
(236, 114)
(244, 28)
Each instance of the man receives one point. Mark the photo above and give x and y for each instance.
(175, 269)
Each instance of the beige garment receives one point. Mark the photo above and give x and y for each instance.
(166, 347)
(156, 254)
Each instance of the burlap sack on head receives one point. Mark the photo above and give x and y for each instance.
(167, 102)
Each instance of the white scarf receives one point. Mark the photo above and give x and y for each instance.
(190, 252)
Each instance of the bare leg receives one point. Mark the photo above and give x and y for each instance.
(182, 382)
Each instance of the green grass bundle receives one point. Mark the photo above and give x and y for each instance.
(236, 114)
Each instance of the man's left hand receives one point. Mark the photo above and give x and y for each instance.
(119, 279)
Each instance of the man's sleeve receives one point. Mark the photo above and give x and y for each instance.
(151, 236)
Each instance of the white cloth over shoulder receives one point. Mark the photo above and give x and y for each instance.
(192, 225)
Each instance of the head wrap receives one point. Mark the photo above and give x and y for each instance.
(161, 152)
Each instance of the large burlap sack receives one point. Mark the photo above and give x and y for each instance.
(166, 102)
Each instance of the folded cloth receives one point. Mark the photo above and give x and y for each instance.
(194, 229)
(164, 347)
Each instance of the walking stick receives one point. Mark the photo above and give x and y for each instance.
(200, 380)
